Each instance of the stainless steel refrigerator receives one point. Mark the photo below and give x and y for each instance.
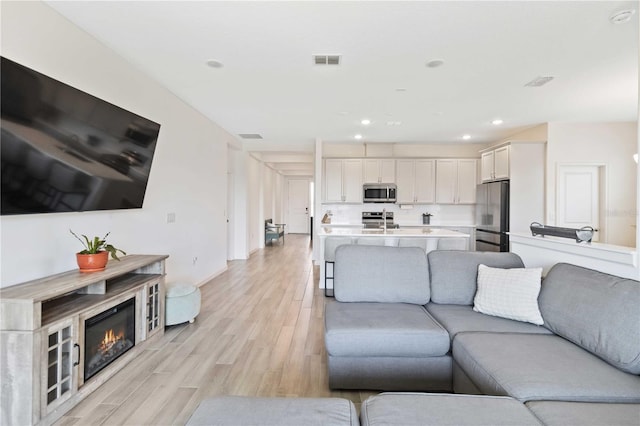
(492, 216)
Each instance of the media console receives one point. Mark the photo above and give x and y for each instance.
(64, 335)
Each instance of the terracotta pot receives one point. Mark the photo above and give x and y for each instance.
(92, 262)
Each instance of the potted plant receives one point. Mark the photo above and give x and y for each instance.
(96, 252)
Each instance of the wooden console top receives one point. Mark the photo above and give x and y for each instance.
(53, 286)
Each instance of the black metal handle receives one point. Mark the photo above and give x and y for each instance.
(77, 362)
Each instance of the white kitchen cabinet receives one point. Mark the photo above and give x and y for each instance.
(467, 181)
(379, 171)
(416, 181)
(456, 181)
(495, 164)
(343, 181)
(486, 166)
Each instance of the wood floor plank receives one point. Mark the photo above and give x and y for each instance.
(260, 332)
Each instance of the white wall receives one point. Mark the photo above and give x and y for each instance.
(608, 144)
(239, 222)
(255, 215)
(188, 175)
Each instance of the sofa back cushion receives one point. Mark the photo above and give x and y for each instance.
(381, 274)
(597, 311)
(454, 274)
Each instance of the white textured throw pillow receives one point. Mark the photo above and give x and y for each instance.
(509, 293)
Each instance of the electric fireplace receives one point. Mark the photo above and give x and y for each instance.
(107, 336)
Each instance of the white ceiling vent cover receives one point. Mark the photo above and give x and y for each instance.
(539, 81)
(326, 59)
(250, 136)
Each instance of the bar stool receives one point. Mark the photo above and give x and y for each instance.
(452, 244)
(370, 241)
(330, 246)
(413, 242)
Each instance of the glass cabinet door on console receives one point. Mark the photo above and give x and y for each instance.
(59, 370)
(154, 306)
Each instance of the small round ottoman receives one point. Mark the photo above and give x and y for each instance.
(182, 304)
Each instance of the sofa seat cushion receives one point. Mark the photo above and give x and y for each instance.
(558, 413)
(540, 367)
(382, 329)
(461, 318)
(423, 409)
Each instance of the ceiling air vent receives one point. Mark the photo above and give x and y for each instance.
(250, 136)
(326, 59)
(539, 81)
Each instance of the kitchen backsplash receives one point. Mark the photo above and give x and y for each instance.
(443, 214)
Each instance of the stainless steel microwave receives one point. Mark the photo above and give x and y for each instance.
(379, 193)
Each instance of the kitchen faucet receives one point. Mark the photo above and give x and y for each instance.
(384, 219)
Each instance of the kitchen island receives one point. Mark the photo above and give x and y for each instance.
(425, 236)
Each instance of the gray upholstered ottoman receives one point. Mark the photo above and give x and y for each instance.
(424, 409)
(245, 411)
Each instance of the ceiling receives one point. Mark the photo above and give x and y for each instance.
(268, 84)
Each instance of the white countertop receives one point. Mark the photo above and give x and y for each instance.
(404, 225)
(416, 232)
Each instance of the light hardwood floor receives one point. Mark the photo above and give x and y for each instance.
(260, 332)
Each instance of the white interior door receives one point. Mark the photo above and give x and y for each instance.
(578, 202)
(298, 196)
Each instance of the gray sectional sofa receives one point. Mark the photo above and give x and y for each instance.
(403, 320)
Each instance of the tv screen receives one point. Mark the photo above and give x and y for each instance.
(65, 150)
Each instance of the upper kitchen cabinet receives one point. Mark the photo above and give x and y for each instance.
(379, 171)
(495, 164)
(342, 181)
(416, 181)
(456, 181)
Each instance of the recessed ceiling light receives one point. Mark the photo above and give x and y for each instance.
(497, 122)
(366, 122)
(214, 64)
(435, 63)
(622, 16)
(401, 89)
(358, 136)
(466, 137)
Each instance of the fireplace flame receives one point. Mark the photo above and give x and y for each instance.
(110, 339)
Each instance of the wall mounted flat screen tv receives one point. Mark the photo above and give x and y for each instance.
(65, 150)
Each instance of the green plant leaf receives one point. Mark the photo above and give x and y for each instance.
(97, 245)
